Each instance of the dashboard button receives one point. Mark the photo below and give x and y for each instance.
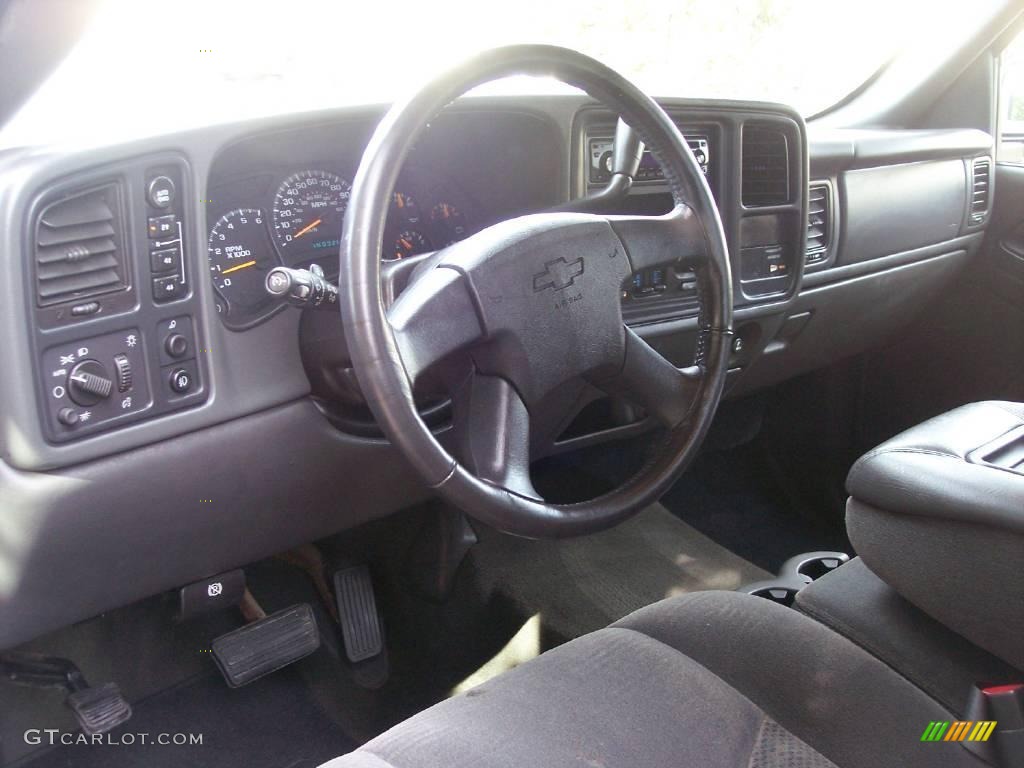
(68, 417)
(160, 226)
(89, 383)
(123, 372)
(160, 192)
(167, 288)
(176, 345)
(181, 381)
(165, 260)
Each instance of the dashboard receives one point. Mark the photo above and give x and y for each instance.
(151, 389)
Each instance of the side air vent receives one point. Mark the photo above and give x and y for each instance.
(765, 166)
(819, 221)
(79, 251)
(981, 185)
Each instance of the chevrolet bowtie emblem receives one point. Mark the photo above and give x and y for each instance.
(558, 274)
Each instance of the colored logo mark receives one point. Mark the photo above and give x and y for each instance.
(959, 730)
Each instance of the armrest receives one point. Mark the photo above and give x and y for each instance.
(960, 466)
(938, 513)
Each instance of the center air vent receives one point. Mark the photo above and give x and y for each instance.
(819, 219)
(980, 188)
(765, 166)
(79, 247)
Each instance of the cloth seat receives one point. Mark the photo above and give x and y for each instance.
(709, 679)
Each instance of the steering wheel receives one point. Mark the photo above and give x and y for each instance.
(522, 311)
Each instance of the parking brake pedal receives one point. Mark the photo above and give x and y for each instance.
(267, 645)
(98, 710)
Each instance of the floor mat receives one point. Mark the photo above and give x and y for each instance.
(583, 584)
(272, 723)
(732, 497)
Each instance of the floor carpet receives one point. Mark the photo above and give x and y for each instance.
(583, 584)
(272, 723)
(734, 498)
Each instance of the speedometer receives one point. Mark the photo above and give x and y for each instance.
(308, 210)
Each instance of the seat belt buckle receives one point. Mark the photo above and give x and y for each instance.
(998, 734)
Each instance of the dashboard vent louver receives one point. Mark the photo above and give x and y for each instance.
(765, 166)
(819, 219)
(79, 246)
(981, 179)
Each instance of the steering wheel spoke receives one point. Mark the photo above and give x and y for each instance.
(648, 379)
(432, 318)
(540, 293)
(492, 429)
(657, 241)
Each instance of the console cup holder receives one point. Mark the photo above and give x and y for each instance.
(778, 590)
(795, 574)
(813, 565)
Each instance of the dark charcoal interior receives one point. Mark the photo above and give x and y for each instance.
(187, 452)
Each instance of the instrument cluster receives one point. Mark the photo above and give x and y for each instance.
(295, 219)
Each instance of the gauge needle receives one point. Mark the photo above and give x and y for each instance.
(238, 267)
(306, 229)
(406, 243)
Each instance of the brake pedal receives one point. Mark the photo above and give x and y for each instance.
(98, 710)
(357, 613)
(250, 652)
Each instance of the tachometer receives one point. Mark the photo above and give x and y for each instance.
(240, 255)
(308, 211)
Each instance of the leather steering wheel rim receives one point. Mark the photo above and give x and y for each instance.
(452, 311)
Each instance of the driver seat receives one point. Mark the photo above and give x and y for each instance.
(730, 680)
(709, 679)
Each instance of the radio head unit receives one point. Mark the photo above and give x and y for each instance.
(599, 156)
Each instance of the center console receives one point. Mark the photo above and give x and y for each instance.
(754, 160)
(938, 513)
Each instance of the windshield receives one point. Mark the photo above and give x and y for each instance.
(148, 66)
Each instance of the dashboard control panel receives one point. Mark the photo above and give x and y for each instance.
(127, 346)
(599, 154)
(660, 293)
(163, 228)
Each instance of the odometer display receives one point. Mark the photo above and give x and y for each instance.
(308, 210)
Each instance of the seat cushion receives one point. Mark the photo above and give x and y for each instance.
(711, 679)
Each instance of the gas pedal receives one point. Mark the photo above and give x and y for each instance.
(357, 613)
(250, 652)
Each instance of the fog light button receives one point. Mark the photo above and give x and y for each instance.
(181, 381)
